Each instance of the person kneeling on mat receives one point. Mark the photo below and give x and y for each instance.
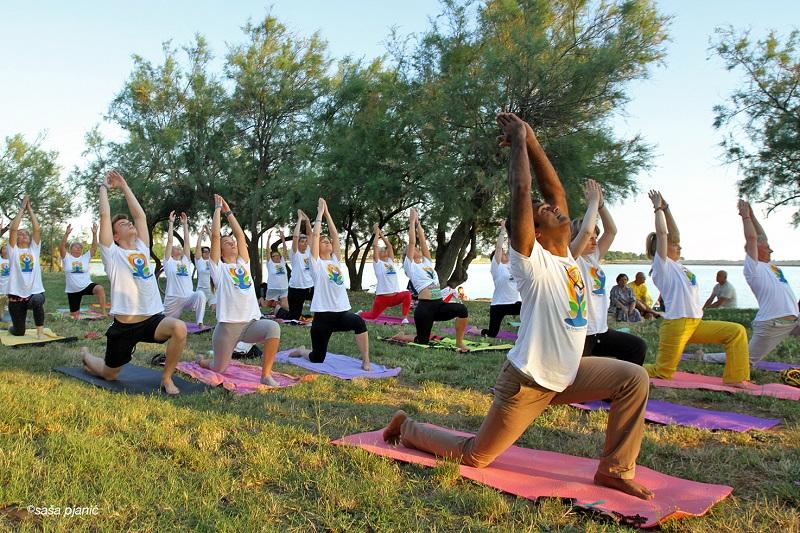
(25, 288)
(135, 299)
(76, 271)
(505, 298)
(387, 290)
(430, 307)
(179, 269)
(330, 304)
(545, 366)
(238, 315)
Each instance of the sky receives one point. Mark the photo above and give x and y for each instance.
(63, 62)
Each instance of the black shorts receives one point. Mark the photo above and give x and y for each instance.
(121, 339)
(75, 297)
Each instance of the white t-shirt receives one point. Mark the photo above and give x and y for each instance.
(330, 294)
(276, 275)
(553, 317)
(203, 267)
(179, 277)
(678, 287)
(775, 297)
(134, 289)
(302, 277)
(598, 295)
(76, 272)
(505, 288)
(25, 278)
(422, 275)
(725, 291)
(236, 296)
(386, 274)
(5, 272)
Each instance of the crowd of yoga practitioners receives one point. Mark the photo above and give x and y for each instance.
(546, 268)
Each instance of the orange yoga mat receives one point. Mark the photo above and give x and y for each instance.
(536, 474)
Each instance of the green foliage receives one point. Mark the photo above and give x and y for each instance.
(613, 255)
(761, 119)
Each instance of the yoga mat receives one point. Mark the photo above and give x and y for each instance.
(386, 320)
(85, 314)
(238, 378)
(340, 366)
(191, 328)
(304, 323)
(65, 310)
(476, 332)
(133, 379)
(97, 306)
(535, 474)
(768, 366)
(447, 343)
(684, 380)
(515, 324)
(668, 413)
(30, 338)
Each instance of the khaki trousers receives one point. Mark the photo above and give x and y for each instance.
(518, 400)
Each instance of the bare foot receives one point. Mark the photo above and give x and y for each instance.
(403, 337)
(269, 380)
(169, 387)
(392, 432)
(628, 486)
(462, 347)
(300, 352)
(204, 363)
(366, 366)
(75, 316)
(741, 385)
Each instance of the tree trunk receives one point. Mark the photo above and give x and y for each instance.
(460, 275)
(449, 252)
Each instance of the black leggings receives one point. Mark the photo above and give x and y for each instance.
(496, 315)
(19, 312)
(430, 311)
(297, 298)
(74, 298)
(616, 344)
(323, 326)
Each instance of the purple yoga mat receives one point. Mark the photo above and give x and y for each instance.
(191, 327)
(340, 366)
(386, 320)
(768, 366)
(682, 415)
(506, 335)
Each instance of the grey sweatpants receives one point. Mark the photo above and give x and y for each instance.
(227, 334)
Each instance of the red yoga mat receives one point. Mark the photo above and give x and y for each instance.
(685, 380)
(535, 474)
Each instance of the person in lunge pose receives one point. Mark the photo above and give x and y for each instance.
(387, 292)
(545, 366)
(238, 315)
(76, 271)
(179, 269)
(601, 340)
(25, 288)
(135, 299)
(505, 298)
(330, 305)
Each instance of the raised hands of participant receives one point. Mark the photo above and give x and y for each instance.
(95, 227)
(376, 229)
(184, 219)
(592, 192)
(655, 197)
(513, 128)
(115, 180)
(68, 231)
(745, 211)
(171, 217)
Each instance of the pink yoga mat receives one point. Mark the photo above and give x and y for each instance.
(238, 378)
(684, 380)
(476, 332)
(191, 327)
(535, 474)
(386, 320)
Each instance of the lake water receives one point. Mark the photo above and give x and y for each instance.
(480, 285)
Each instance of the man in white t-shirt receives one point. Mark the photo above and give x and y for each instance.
(545, 366)
(179, 294)
(723, 294)
(135, 299)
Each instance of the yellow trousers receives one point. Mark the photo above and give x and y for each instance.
(675, 334)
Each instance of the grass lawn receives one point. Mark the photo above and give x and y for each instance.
(217, 462)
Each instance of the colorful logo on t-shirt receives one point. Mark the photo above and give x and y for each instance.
(690, 276)
(430, 272)
(307, 265)
(778, 273)
(139, 267)
(26, 262)
(389, 268)
(77, 267)
(335, 275)
(279, 270)
(181, 270)
(598, 280)
(576, 291)
(5, 270)
(240, 277)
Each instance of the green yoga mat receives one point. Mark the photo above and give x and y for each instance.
(449, 343)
